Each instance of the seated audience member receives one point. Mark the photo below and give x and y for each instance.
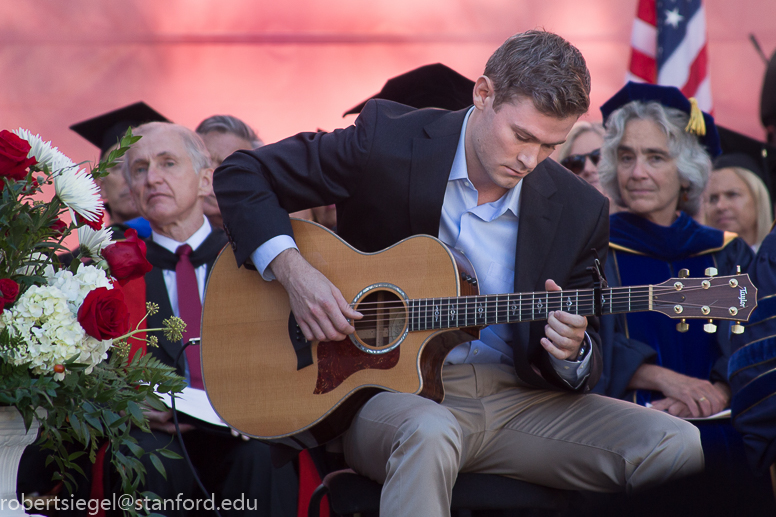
(737, 199)
(582, 150)
(752, 366)
(223, 135)
(657, 170)
(105, 131)
(169, 175)
(479, 179)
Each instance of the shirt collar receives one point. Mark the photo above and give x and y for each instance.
(194, 241)
(510, 201)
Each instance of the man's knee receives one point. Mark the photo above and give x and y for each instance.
(675, 452)
(433, 429)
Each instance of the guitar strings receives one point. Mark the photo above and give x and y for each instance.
(615, 293)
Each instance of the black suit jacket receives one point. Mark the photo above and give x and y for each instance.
(388, 174)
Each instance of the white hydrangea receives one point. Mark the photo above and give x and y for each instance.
(49, 329)
(76, 286)
(46, 318)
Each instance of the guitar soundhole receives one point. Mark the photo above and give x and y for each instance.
(384, 324)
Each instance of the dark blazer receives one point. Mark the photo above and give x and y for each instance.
(387, 174)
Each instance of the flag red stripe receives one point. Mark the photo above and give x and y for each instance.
(697, 74)
(647, 11)
(643, 66)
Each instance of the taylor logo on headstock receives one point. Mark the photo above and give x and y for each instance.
(742, 297)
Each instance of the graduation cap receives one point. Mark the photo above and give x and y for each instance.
(701, 124)
(742, 151)
(430, 86)
(106, 130)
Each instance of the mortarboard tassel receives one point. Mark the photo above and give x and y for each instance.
(696, 125)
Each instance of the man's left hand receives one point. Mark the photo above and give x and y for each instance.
(564, 331)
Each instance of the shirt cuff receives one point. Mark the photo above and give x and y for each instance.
(573, 372)
(267, 252)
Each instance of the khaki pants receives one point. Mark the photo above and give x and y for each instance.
(490, 422)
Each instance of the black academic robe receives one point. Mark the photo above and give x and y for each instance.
(229, 466)
(156, 289)
(752, 366)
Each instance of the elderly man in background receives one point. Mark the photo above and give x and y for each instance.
(169, 175)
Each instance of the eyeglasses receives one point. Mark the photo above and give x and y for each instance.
(576, 162)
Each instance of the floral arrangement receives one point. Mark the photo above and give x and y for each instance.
(64, 329)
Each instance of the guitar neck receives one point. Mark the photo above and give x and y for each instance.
(496, 309)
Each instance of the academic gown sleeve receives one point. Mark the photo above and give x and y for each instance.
(623, 356)
(752, 367)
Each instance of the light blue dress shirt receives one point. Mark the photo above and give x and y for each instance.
(487, 235)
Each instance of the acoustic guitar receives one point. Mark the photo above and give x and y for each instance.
(419, 299)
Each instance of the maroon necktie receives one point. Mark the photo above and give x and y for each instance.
(190, 309)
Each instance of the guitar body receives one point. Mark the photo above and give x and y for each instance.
(259, 384)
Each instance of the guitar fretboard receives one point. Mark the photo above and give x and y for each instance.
(495, 309)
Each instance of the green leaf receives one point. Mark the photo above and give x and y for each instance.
(135, 411)
(169, 454)
(158, 464)
(135, 449)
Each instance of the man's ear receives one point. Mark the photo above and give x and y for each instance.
(484, 93)
(205, 182)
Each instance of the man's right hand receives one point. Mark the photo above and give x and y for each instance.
(319, 307)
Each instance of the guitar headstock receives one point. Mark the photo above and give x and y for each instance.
(720, 297)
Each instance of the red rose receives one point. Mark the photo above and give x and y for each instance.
(127, 258)
(13, 156)
(9, 290)
(104, 315)
(58, 227)
(94, 225)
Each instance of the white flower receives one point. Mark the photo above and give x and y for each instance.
(46, 321)
(93, 242)
(44, 153)
(77, 190)
(75, 287)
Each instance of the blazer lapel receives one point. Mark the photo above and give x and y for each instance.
(539, 220)
(432, 159)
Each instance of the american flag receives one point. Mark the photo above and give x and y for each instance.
(668, 47)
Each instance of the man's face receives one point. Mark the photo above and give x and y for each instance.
(115, 193)
(220, 146)
(504, 145)
(162, 179)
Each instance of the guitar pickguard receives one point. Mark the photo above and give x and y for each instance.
(338, 360)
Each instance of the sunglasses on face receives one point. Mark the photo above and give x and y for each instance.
(576, 162)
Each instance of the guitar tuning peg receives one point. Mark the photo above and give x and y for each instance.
(710, 327)
(682, 326)
(711, 271)
(737, 328)
(684, 273)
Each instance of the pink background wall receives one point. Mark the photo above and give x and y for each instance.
(297, 65)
